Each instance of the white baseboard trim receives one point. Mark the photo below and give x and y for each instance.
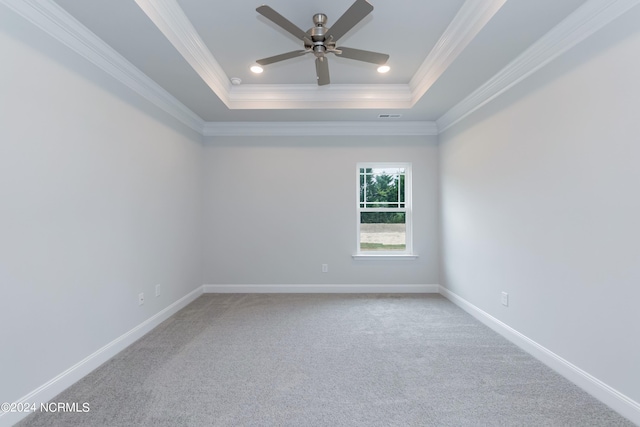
(55, 386)
(320, 289)
(598, 389)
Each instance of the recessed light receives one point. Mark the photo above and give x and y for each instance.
(384, 69)
(256, 69)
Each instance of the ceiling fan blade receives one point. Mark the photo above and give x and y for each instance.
(283, 22)
(363, 55)
(281, 57)
(322, 70)
(356, 13)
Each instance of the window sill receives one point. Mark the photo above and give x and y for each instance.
(371, 257)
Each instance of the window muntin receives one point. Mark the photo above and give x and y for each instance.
(384, 208)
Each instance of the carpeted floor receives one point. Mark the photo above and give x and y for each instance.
(325, 360)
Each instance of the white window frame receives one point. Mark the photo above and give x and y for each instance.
(408, 211)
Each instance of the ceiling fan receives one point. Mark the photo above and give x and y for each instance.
(321, 40)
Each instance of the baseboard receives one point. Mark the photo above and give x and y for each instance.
(320, 289)
(598, 389)
(55, 386)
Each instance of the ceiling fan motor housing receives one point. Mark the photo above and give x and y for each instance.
(317, 35)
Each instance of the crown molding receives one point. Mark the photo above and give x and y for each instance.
(171, 20)
(56, 22)
(415, 128)
(465, 26)
(313, 96)
(582, 23)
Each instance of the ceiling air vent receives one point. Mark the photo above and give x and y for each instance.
(389, 116)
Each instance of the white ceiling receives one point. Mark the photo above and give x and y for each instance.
(440, 53)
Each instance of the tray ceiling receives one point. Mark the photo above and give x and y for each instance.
(441, 53)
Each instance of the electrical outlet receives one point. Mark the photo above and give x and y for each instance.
(157, 290)
(141, 298)
(505, 299)
(325, 268)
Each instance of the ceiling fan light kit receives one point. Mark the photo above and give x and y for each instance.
(321, 40)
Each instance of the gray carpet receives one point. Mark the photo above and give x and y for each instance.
(325, 360)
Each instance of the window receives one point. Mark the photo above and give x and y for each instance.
(384, 209)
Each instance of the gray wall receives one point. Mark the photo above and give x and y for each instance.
(99, 200)
(276, 208)
(541, 199)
